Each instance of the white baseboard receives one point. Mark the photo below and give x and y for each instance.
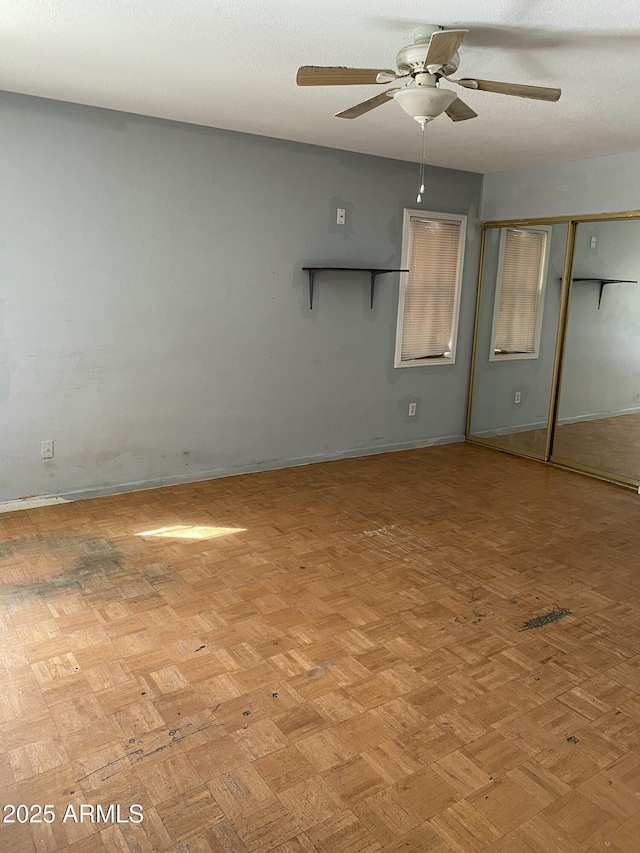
(32, 503)
(218, 473)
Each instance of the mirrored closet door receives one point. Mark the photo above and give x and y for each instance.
(516, 336)
(597, 426)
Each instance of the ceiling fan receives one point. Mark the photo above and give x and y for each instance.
(432, 57)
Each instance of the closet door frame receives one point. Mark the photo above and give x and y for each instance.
(547, 456)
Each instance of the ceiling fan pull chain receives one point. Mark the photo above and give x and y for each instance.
(424, 157)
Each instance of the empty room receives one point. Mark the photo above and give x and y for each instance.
(319, 427)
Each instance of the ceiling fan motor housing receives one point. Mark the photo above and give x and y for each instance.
(410, 59)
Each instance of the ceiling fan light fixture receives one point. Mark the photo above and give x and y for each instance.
(424, 103)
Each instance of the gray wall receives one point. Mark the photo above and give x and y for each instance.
(598, 185)
(495, 382)
(601, 374)
(155, 318)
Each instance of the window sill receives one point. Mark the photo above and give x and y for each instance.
(425, 362)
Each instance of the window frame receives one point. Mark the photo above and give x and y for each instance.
(431, 216)
(519, 356)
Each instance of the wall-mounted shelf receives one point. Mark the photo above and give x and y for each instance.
(373, 271)
(603, 282)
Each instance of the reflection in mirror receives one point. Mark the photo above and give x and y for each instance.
(598, 422)
(520, 289)
(516, 335)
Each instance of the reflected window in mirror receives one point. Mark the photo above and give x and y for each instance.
(519, 299)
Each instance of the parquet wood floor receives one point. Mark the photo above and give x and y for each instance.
(335, 662)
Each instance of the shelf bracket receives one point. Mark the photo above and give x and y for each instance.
(373, 285)
(311, 276)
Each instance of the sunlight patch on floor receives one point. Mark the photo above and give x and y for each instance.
(188, 531)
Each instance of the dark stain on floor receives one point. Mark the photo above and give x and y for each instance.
(60, 562)
(554, 615)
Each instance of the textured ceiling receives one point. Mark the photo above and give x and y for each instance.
(232, 64)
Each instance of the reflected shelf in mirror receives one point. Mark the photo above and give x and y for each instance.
(603, 282)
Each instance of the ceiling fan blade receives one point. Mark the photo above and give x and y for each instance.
(443, 46)
(371, 104)
(389, 77)
(459, 111)
(538, 93)
(315, 75)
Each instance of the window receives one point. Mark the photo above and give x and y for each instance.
(432, 251)
(519, 302)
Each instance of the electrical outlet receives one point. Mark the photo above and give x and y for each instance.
(593, 241)
(46, 449)
(517, 397)
(412, 409)
(341, 216)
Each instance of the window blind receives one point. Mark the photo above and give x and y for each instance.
(430, 293)
(521, 287)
